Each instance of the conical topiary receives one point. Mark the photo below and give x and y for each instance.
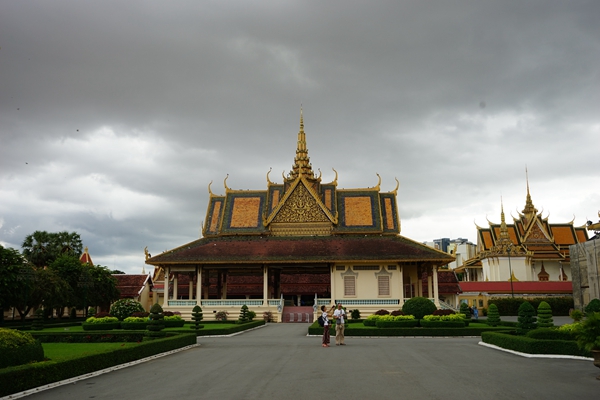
(197, 317)
(155, 326)
(243, 315)
(464, 309)
(38, 320)
(593, 306)
(493, 316)
(544, 315)
(526, 320)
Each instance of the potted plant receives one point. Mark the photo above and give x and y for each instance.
(588, 336)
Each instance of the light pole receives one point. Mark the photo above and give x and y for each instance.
(508, 250)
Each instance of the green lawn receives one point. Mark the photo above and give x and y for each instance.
(66, 351)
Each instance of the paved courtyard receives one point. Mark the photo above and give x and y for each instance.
(280, 361)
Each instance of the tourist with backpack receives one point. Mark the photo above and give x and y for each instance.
(324, 322)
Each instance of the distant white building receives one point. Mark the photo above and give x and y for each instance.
(460, 248)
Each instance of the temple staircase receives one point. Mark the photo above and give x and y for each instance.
(297, 314)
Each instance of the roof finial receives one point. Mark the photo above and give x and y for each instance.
(529, 209)
(302, 165)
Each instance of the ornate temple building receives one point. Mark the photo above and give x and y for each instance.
(529, 257)
(301, 242)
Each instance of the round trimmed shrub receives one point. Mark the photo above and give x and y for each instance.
(124, 308)
(154, 329)
(419, 307)
(395, 313)
(18, 348)
(196, 318)
(381, 312)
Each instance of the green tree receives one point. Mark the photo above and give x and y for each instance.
(43, 248)
(69, 268)
(544, 315)
(103, 290)
(125, 307)
(493, 317)
(592, 307)
(11, 286)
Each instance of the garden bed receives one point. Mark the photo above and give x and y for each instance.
(475, 329)
(529, 345)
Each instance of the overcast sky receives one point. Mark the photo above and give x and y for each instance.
(115, 116)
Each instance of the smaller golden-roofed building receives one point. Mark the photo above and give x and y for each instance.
(531, 251)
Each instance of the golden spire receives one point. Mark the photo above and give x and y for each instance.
(302, 165)
(529, 209)
(503, 229)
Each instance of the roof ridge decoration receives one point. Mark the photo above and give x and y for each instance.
(529, 209)
(302, 165)
(504, 245)
(300, 208)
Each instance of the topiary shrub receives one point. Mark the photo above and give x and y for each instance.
(396, 313)
(38, 320)
(196, 318)
(419, 307)
(544, 315)
(124, 308)
(527, 319)
(355, 314)
(154, 329)
(443, 312)
(251, 315)
(576, 315)
(588, 333)
(592, 307)
(493, 317)
(243, 318)
(464, 309)
(221, 316)
(381, 312)
(18, 348)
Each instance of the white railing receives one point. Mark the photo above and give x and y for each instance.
(182, 303)
(446, 306)
(368, 302)
(224, 302)
(323, 302)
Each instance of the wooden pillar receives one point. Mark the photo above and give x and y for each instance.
(166, 287)
(206, 279)
(191, 287)
(429, 285)
(224, 291)
(219, 284)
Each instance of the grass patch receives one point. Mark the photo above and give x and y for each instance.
(66, 351)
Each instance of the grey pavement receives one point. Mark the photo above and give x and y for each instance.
(280, 361)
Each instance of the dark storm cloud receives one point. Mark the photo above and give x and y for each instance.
(117, 115)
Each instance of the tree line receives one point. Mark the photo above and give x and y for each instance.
(48, 274)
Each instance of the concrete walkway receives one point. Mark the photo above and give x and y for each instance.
(280, 362)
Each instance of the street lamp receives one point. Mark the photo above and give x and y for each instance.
(508, 250)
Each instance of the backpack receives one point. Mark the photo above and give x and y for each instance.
(321, 321)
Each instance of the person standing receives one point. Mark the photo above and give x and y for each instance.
(326, 325)
(339, 316)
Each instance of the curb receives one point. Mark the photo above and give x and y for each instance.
(527, 355)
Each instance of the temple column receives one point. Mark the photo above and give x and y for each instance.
(191, 287)
(224, 291)
(265, 285)
(429, 285)
(332, 278)
(401, 285)
(198, 285)
(436, 292)
(206, 279)
(175, 276)
(166, 287)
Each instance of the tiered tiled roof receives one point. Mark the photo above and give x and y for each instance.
(265, 249)
(130, 286)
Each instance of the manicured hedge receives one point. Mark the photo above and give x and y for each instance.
(550, 334)
(225, 331)
(134, 326)
(409, 323)
(510, 305)
(24, 354)
(529, 345)
(442, 324)
(88, 337)
(315, 329)
(108, 326)
(24, 377)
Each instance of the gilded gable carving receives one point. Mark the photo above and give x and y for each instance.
(300, 207)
